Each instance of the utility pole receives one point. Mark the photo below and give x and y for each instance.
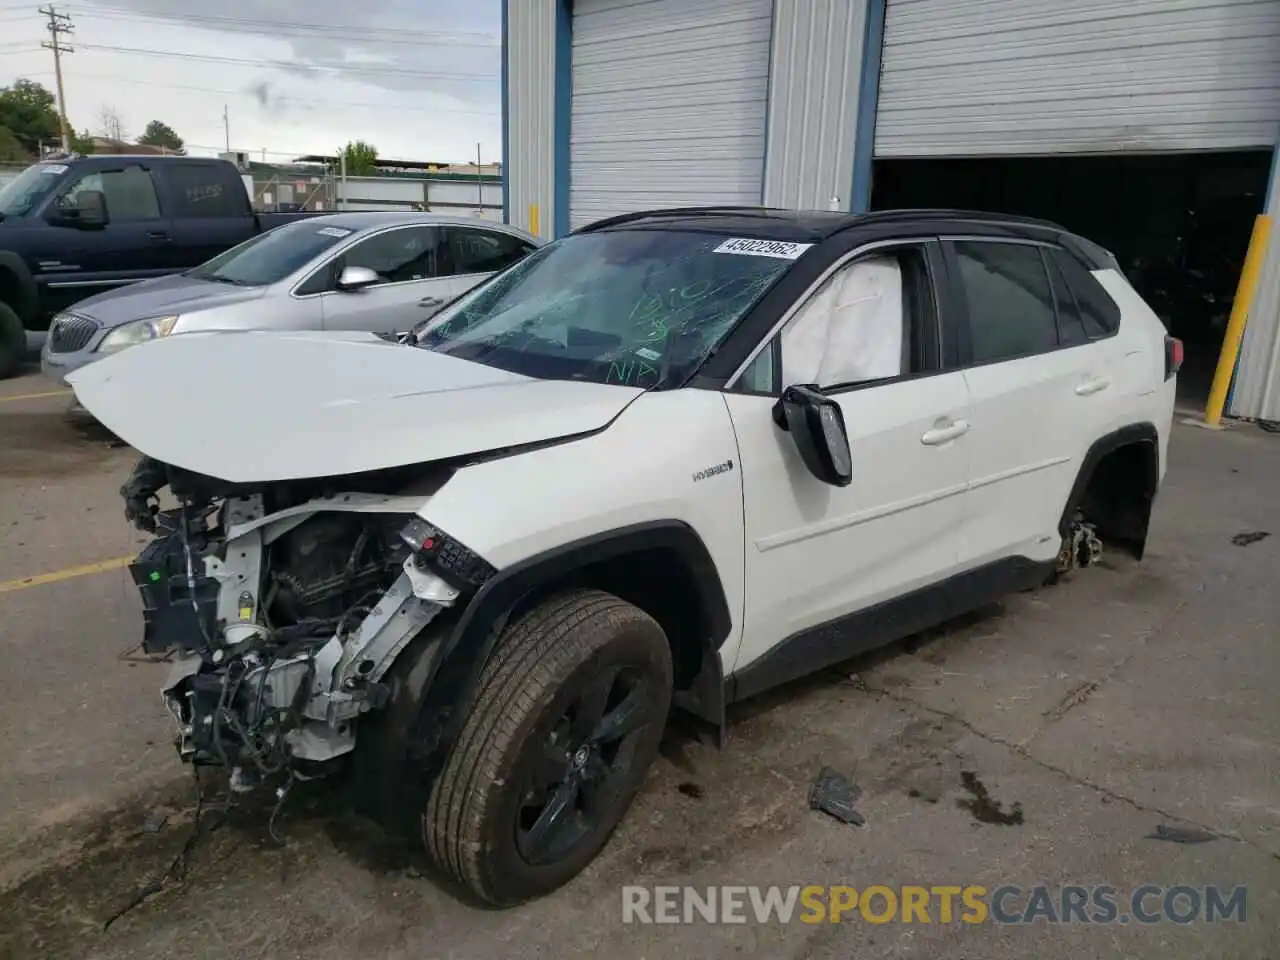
(342, 172)
(226, 127)
(58, 26)
(479, 183)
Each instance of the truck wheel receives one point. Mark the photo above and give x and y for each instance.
(13, 342)
(567, 719)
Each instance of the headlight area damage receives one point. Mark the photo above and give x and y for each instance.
(286, 603)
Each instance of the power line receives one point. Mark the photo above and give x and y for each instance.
(349, 32)
(287, 65)
(59, 26)
(118, 78)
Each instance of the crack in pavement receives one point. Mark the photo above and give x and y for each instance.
(1087, 690)
(1021, 751)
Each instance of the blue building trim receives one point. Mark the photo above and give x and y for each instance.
(506, 121)
(1266, 206)
(864, 144)
(768, 104)
(563, 115)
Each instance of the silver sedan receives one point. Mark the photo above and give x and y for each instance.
(378, 272)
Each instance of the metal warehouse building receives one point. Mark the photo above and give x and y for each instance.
(1148, 125)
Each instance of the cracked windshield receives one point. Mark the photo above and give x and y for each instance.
(638, 308)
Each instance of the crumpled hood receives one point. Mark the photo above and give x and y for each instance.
(162, 297)
(258, 406)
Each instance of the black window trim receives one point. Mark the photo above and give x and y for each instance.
(959, 297)
(929, 247)
(1052, 270)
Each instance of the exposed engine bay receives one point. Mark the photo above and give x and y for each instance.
(284, 605)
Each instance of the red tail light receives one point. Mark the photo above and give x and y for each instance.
(1172, 356)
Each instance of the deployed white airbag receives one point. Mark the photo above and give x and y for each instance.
(850, 331)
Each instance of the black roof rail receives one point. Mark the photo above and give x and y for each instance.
(665, 212)
(973, 216)
(840, 220)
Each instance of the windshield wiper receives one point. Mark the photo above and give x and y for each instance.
(215, 278)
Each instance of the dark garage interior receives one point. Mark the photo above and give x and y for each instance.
(1178, 223)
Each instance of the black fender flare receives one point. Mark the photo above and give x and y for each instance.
(28, 301)
(472, 635)
(1143, 434)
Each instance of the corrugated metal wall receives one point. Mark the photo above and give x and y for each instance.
(813, 95)
(669, 104)
(1257, 390)
(530, 174)
(1026, 77)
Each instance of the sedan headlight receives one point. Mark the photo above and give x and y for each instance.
(138, 331)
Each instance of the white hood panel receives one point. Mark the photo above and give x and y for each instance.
(257, 406)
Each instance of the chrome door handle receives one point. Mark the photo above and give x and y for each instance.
(1092, 385)
(945, 433)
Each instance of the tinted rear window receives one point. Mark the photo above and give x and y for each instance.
(1099, 312)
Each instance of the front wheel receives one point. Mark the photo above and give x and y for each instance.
(567, 719)
(13, 342)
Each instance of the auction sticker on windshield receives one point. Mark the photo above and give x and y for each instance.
(51, 168)
(781, 249)
(333, 232)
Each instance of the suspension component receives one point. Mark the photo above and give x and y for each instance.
(1081, 547)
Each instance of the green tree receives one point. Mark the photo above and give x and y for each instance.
(10, 149)
(27, 110)
(160, 134)
(361, 158)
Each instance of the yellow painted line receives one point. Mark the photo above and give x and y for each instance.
(70, 573)
(36, 396)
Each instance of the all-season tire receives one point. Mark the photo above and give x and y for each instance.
(480, 825)
(13, 342)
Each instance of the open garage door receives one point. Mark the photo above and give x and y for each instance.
(1036, 77)
(669, 104)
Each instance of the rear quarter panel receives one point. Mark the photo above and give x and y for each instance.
(1145, 395)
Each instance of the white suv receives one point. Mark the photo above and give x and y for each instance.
(668, 461)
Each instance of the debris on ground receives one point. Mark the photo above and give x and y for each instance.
(835, 795)
(982, 806)
(1180, 834)
(1253, 536)
(154, 822)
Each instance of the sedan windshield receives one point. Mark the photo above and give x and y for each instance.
(636, 307)
(19, 195)
(271, 256)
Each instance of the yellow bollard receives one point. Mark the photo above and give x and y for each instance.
(533, 220)
(1234, 336)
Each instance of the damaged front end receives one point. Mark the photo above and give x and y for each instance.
(285, 605)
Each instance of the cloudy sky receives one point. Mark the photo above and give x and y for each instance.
(417, 78)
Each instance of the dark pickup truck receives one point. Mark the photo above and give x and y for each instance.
(72, 228)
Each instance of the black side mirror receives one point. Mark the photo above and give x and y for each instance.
(89, 212)
(816, 424)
